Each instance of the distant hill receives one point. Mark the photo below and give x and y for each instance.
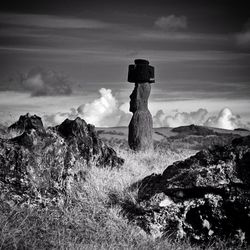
(167, 132)
(185, 137)
(194, 130)
(241, 129)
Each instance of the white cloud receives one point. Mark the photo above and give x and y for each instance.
(171, 23)
(105, 111)
(180, 118)
(102, 112)
(225, 119)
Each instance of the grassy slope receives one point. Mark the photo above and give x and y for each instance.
(92, 217)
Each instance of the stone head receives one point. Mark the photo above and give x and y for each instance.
(139, 97)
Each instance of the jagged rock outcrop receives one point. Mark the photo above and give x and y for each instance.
(205, 196)
(41, 164)
(27, 122)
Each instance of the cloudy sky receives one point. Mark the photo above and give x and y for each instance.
(67, 58)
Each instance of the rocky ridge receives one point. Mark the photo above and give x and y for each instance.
(40, 165)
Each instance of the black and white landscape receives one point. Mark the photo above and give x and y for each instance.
(73, 175)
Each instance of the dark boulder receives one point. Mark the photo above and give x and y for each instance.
(27, 122)
(84, 136)
(73, 128)
(204, 197)
(42, 166)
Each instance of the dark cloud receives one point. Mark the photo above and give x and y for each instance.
(243, 38)
(40, 82)
(43, 82)
(50, 21)
(191, 44)
(171, 23)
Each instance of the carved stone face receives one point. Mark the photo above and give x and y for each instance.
(139, 97)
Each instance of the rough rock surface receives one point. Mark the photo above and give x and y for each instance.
(40, 165)
(205, 196)
(27, 122)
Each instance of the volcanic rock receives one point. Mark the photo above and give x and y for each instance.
(27, 122)
(41, 165)
(206, 196)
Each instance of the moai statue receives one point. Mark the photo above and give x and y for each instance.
(141, 125)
